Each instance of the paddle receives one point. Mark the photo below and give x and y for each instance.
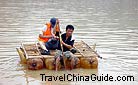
(93, 50)
(61, 45)
(96, 52)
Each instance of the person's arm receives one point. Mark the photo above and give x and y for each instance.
(67, 46)
(56, 26)
(54, 36)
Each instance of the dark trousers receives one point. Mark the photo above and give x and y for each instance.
(52, 44)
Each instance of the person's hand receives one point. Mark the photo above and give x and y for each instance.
(56, 37)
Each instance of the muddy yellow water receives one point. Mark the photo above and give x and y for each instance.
(111, 24)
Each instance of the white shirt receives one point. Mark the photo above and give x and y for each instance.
(73, 37)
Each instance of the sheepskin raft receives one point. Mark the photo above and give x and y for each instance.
(30, 54)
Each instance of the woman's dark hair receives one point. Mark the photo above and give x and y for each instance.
(69, 27)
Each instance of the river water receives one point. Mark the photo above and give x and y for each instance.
(111, 24)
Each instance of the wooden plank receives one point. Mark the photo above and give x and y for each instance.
(31, 49)
(37, 48)
(26, 55)
(93, 50)
(35, 57)
(50, 56)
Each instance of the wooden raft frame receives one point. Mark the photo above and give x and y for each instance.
(32, 51)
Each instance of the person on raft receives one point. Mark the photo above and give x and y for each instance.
(49, 36)
(67, 41)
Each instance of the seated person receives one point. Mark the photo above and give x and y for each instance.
(65, 45)
(67, 39)
(48, 38)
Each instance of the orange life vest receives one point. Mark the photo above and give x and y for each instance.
(48, 32)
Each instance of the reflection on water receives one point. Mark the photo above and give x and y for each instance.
(111, 24)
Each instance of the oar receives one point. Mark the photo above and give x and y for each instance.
(61, 45)
(96, 51)
(60, 42)
(93, 49)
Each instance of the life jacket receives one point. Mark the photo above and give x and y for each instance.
(48, 32)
